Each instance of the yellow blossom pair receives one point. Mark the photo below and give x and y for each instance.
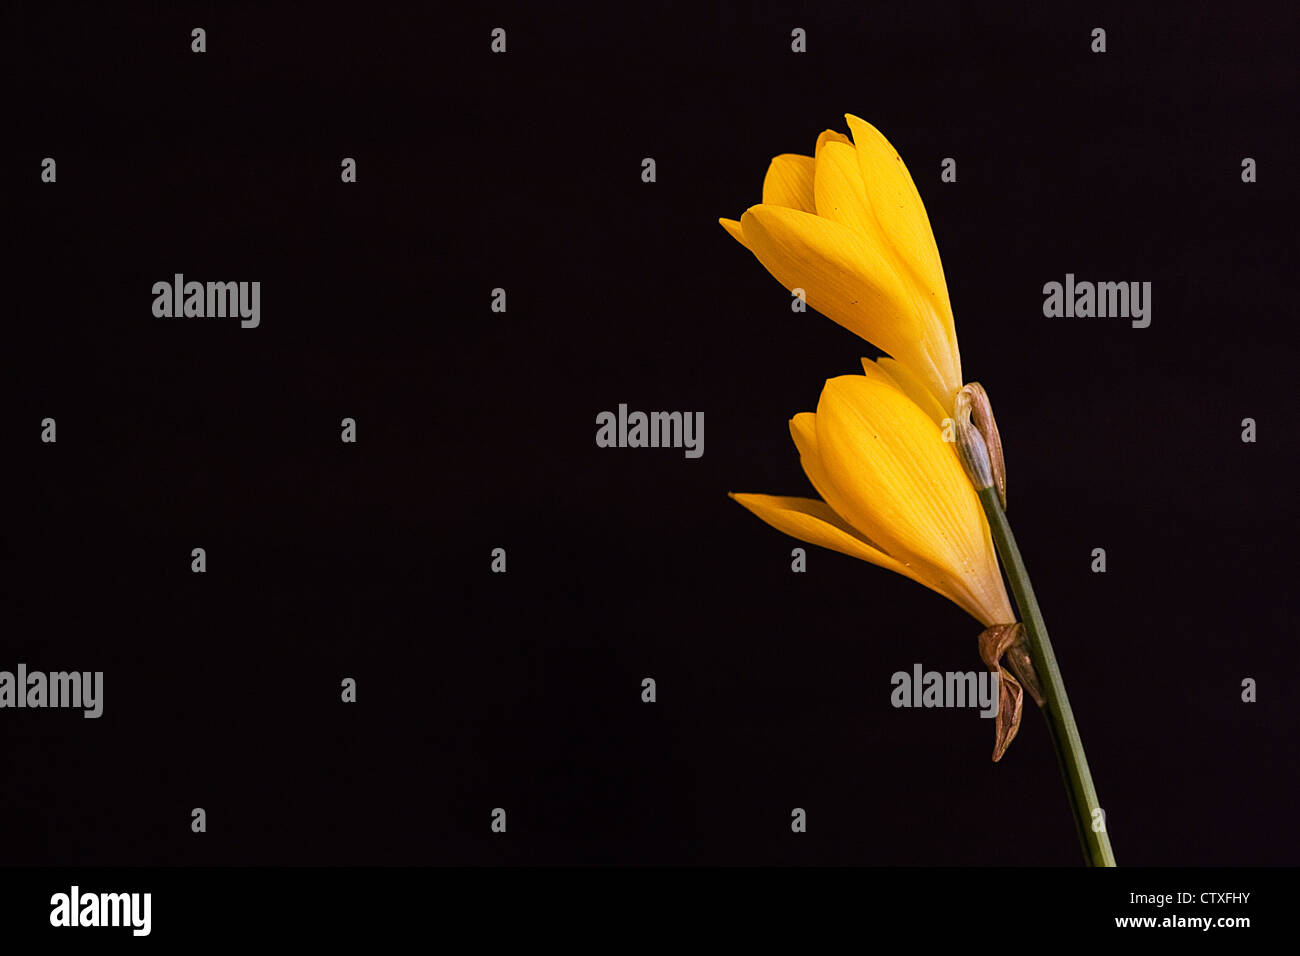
(847, 226)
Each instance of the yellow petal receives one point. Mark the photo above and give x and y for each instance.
(879, 373)
(830, 136)
(838, 192)
(813, 521)
(803, 428)
(733, 228)
(912, 386)
(851, 281)
(901, 216)
(896, 482)
(789, 182)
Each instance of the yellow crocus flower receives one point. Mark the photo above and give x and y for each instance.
(893, 492)
(848, 227)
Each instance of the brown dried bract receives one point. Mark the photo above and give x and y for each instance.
(994, 642)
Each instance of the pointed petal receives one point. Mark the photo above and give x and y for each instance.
(838, 193)
(789, 182)
(901, 216)
(830, 136)
(896, 481)
(849, 280)
(813, 521)
(912, 387)
(880, 373)
(733, 228)
(803, 429)
(903, 228)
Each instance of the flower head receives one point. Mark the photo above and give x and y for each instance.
(848, 227)
(893, 492)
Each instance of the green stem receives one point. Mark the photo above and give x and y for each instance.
(1056, 707)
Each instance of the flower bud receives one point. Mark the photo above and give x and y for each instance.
(981, 413)
(971, 447)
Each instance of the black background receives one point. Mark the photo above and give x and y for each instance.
(476, 431)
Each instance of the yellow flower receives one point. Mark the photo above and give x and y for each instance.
(893, 492)
(848, 227)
